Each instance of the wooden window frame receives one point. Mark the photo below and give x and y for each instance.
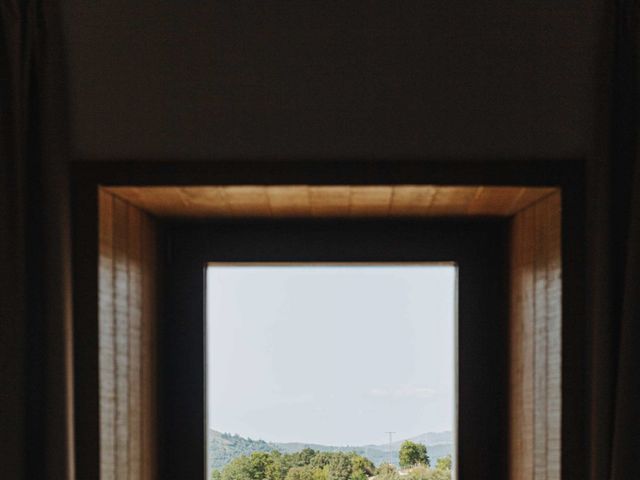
(88, 176)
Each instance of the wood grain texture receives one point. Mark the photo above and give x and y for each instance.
(535, 341)
(126, 327)
(283, 201)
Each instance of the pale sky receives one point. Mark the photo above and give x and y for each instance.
(335, 355)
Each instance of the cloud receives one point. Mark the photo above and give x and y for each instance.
(402, 391)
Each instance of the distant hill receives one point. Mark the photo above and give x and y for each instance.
(224, 447)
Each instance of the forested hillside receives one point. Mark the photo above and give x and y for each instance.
(224, 447)
(309, 464)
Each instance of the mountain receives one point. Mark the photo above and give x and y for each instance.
(431, 438)
(224, 447)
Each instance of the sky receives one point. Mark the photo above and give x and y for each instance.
(335, 355)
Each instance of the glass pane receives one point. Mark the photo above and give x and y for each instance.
(331, 372)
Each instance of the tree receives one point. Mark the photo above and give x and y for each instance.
(253, 467)
(259, 462)
(386, 471)
(339, 467)
(306, 455)
(300, 473)
(238, 469)
(321, 459)
(361, 465)
(422, 472)
(276, 468)
(306, 464)
(413, 454)
(444, 463)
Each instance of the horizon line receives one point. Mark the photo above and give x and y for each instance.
(324, 444)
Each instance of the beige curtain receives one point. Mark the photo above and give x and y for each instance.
(35, 306)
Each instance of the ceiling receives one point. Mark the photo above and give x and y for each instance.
(285, 201)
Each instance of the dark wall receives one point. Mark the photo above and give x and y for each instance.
(292, 79)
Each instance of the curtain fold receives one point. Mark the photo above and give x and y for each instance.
(615, 286)
(625, 441)
(13, 303)
(35, 329)
(625, 445)
(625, 457)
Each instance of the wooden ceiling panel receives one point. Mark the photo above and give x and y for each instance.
(412, 199)
(495, 200)
(368, 202)
(282, 201)
(246, 201)
(289, 201)
(330, 201)
(454, 201)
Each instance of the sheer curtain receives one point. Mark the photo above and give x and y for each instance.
(35, 293)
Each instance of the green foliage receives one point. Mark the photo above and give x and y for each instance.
(412, 454)
(339, 467)
(306, 464)
(444, 463)
(224, 447)
(238, 469)
(386, 471)
(422, 472)
(300, 473)
(419, 473)
(361, 465)
(257, 466)
(442, 471)
(321, 459)
(276, 469)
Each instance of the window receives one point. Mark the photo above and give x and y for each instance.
(481, 426)
(140, 278)
(332, 358)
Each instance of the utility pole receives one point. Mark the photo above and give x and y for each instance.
(390, 441)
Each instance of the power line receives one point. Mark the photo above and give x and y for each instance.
(390, 442)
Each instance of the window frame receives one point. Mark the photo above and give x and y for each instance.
(88, 175)
(481, 428)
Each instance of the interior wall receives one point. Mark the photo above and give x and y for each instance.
(422, 80)
(127, 310)
(535, 342)
(364, 78)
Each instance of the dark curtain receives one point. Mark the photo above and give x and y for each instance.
(614, 289)
(35, 325)
(625, 445)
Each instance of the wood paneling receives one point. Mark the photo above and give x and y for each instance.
(535, 343)
(277, 201)
(127, 300)
(127, 312)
